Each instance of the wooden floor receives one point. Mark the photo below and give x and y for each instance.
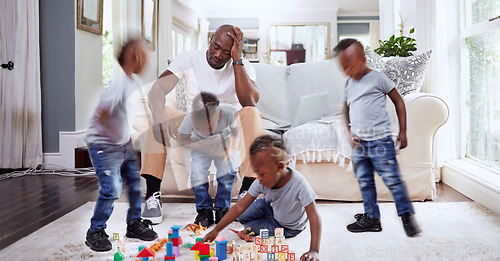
(31, 202)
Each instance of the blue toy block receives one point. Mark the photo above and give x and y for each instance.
(175, 231)
(169, 248)
(221, 250)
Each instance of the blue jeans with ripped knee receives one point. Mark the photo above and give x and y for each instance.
(379, 155)
(111, 164)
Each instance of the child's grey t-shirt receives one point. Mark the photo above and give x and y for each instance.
(366, 100)
(289, 201)
(212, 143)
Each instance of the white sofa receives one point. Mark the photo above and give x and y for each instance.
(318, 149)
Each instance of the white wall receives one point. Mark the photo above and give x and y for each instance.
(88, 76)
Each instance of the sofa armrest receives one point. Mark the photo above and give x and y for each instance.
(426, 113)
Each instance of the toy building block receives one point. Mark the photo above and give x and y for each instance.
(170, 233)
(221, 249)
(213, 259)
(145, 253)
(264, 249)
(220, 239)
(176, 241)
(246, 255)
(269, 241)
(169, 258)
(279, 240)
(279, 232)
(119, 256)
(258, 240)
(291, 256)
(175, 231)
(271, 256)
(264, 233)
(275, 248)
(284, 248)
(169, 246)
(177, 251)
(204, 249)
(116, 236)
(281, 256)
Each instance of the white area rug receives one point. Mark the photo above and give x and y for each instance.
(451, 231)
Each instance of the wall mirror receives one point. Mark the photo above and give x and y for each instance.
(298, 43)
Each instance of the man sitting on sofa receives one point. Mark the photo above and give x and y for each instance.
(202, 70)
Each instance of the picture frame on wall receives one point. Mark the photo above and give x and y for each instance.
(89, 16)
(148, 20)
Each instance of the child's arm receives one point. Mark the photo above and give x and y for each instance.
(315, 223)
(352, 139)
(401, 112)
(233, 213)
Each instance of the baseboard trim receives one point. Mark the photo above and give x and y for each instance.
(68, 141)
(460, 175)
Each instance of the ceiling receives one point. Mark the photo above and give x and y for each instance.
(228, 8)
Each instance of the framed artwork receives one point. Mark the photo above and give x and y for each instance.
(89, 16)
(148, 20)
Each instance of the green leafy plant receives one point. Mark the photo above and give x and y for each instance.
(402, 46)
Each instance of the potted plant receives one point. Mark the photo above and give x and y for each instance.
(401, 46)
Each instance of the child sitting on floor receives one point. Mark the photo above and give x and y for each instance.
(288, 201)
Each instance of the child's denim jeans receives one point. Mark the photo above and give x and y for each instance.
(259, 215)
(379, 155)
(111, 164)
(200, 163)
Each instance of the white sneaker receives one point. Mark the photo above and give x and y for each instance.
(152, 209)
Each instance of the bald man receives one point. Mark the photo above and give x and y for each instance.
(219, 70)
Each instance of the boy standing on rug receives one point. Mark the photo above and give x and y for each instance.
(369, 128)
(288, 201)
(208, 130)
(113, 155)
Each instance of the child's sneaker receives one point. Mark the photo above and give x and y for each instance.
(364, 224)
(98, 241)
(219, 214)
(410, 225)
(141, 229)
(205, 217)
(152, 208)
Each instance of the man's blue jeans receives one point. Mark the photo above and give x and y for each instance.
(259, 215)
(111, 164)
(200, 163)
(379, 155)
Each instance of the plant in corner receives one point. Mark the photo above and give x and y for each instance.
(401, 46)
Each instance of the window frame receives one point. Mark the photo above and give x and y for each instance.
(467, 30)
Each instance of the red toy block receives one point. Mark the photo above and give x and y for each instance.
(275, 248)
(291, 256)
(204, 249)
(146, 252)
(263, 249)
(176, 241)
(258, 241)
(284, 248)
(169, 258)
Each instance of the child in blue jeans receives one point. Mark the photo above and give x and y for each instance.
(113, 155)
(288, 202)
(208, 130)
(369, 129)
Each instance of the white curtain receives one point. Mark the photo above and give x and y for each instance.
(436, 24)
(20, 94)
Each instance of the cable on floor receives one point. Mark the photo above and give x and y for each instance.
(42, 169)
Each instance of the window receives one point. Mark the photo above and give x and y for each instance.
(181, 38)
(481, 66)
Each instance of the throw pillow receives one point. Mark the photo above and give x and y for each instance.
(407, 73)
(373, 60)
(180, 95)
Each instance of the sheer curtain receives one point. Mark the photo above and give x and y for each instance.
(436, 24)
(20, 94)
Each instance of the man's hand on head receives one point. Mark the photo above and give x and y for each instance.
(238, 39)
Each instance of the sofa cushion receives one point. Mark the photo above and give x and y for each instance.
(311, 78)
(273, 104)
